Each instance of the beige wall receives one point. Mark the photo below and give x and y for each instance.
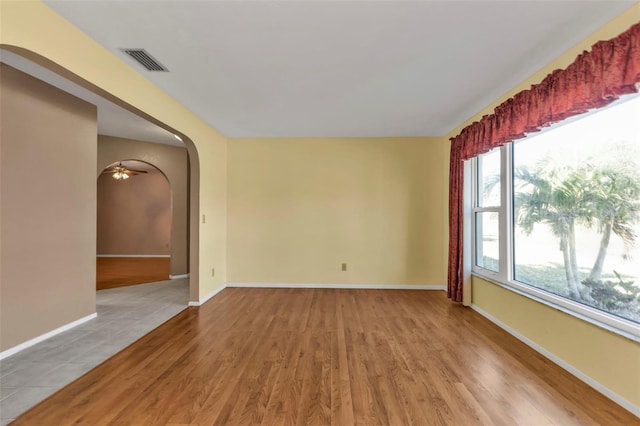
(299, 208)
(172, 161)
(47, 208)
(134, 215)
(610, 359)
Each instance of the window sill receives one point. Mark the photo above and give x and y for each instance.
(619, 326)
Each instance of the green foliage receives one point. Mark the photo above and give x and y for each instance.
(601, 193)
(612, 296)
(555, 196)
(604, 194)
(614, 200)
(561, 197)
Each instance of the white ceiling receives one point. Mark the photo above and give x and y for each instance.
(112, 119)
(339, 68)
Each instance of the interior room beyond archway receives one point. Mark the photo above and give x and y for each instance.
(134, 215)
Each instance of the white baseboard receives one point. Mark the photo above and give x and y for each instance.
(343, 286)
(45, 336)
(207, 297)
(562, 363)
(177, 277)
(133, 255)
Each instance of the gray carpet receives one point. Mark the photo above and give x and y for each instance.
(124, 315)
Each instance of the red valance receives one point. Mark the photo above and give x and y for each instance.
(593, 80)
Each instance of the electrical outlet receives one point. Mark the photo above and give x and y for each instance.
(344, 266)
(204, 219)
(213, 272)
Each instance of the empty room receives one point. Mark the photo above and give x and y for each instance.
(319, 212)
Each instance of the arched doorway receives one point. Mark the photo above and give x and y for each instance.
(134, 225)
(44, 69)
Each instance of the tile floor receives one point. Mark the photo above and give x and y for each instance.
(124, 315)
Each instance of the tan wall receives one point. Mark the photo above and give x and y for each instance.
(134, 215)
(172, 161)
(47, 208)
(610, 359)
(299, 208)
(33, 30)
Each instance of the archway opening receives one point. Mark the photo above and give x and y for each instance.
(134, 225)
(44, 69)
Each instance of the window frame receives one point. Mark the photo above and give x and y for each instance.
(476, 208)
(505, 275)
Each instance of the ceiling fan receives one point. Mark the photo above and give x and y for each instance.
(120, 172)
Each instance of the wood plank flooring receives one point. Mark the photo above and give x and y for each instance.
(327, 357)
(112, 272)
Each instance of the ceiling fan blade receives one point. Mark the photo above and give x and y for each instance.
(137, 171)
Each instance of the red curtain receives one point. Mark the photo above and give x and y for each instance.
(593, 80)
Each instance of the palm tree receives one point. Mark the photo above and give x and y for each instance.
(556, 197)
(615, 202)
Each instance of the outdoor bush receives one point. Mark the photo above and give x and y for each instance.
(612, 296)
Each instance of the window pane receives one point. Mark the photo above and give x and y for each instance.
(489, 179)
(577, 210)
(487, 240)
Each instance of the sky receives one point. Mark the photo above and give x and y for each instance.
(595, 134)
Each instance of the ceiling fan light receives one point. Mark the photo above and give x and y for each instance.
(120, 175)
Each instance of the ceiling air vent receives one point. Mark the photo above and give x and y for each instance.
(146, 60)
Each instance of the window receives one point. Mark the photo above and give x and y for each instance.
(557, 215)
(487, 211)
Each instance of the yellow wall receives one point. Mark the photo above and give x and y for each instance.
(299, 208)
(610, 359)
(30, 26)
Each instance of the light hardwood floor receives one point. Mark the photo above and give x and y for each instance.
(324, 356)
(112, 272)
